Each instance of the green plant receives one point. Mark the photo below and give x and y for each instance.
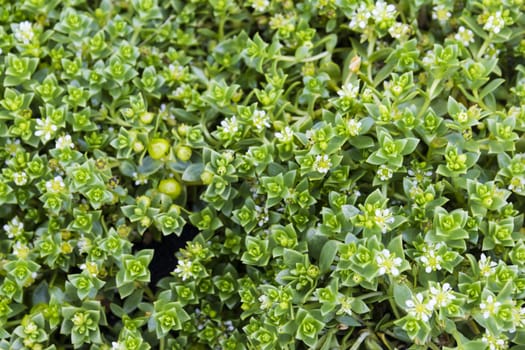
(354, 173)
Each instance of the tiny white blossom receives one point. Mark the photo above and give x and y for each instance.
(286, 135)
(465, 36)
(56, 185)
(12, 146)
(322, 163)
(383, 11)
(346, 305)
(419, 309)
(495, 23)
(45, 129)
(441, 13)
(180, 91)
(20, 250)
(84, 245)
(64, 142)
(517, 184)
(349, 91)
(489, 307)
(382, 218)
(184, 269)
(353, 126)
(266, 303)
(399, 30)
(20, 178)
(429, 58)
(90, 267)
(139, 179)
(260, 5)
(176, 71)
(495, 342)
(486, 267)
(117, 346)
(491, 52)
(260, 120)
(431, 261)
(30, 328)
(360, 18)
(384, 173)
(14, 228)
(442, 296)
(230, 126)
(388, 263)
(23, 32)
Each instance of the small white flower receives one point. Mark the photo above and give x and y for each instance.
(117, 346)
(285, 136)
(12, 146)
(260, 120)
(45, 129)
(465, 36)
(349, 91)
(431, 260)
(322, 163)
(495, 342)
(56, 185)
(230, 126)
(184, 269)
(399, 30)
(388, 263)
(84, 245)
(442, 296)
(23, 32)
(429, 58)
(384, 173)
(495, 23)
(383, 12)
(353, 126)
(266, 303)
(360, 18)
(489, 307)
(176, 71)
(30, 328)
(260, 5)
(140, 179)
(419, 309)
(180, 91)
(14, 228)
(383, 217)
(486, 267)
(20, 250)
(517, 184)
(346, 305)
(90, 267)
(20, 178)
(491, 52)
(441, 13)
(64, 142)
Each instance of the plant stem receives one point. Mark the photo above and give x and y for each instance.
(304, 60)
(428, 98)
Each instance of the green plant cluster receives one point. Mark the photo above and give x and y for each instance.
(355, 171)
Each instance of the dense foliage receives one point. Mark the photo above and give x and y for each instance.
(337, 174)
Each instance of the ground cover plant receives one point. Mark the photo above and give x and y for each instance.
(262, 174)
